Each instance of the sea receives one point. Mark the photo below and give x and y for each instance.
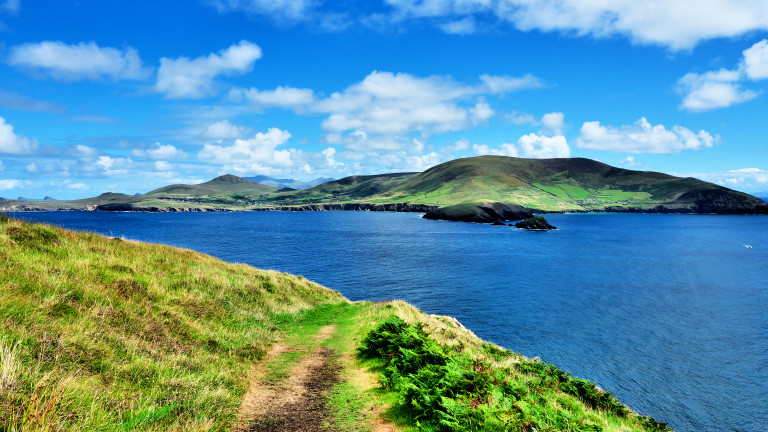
(668, 312)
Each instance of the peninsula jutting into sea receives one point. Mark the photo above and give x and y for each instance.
(476, 189)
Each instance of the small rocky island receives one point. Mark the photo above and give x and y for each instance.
(492, 212)
(535, 223)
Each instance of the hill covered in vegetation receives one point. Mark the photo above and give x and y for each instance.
(537, 185)
(542, 185)
(108, 334)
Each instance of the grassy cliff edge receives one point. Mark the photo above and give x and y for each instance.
(100, 333)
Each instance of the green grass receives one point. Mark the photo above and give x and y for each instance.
(105, 334)
(121, 335)
(619, 195)
(557, 191)
(575, 192)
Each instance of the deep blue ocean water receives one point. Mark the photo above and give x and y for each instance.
(669, 312)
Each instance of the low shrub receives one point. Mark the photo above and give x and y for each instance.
(442, 388)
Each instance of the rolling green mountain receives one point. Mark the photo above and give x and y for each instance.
(463, 189)
(223, 185)
(541, 185)
(348, 189)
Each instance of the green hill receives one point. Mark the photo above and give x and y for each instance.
(106, 334)
(348, 189)
(543, 185)
(539, 185)
(226, 189)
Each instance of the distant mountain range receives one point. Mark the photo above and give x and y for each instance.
(35, 200)
(288, 183)
(488, 187)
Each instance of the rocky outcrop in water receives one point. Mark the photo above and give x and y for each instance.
(480, 212)
(535, 223)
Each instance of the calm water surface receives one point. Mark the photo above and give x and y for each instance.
(669, 312)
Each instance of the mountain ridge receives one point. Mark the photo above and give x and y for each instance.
(559, 185)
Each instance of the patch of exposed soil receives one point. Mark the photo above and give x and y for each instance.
(300, 402)
(306, 405)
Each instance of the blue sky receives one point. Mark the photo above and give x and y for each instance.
(128, 96)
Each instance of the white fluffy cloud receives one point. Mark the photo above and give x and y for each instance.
(11, 184)
(456, 146)
(85, 60)
(380, 121)
(163, 166)
(78, 186)
(553, 123)
(194, 78)
(505, 149)
(387, 116)
(462, 26)
(723, 88)
(519, 118)
(222, 130)
(262, 155)
(746, 179)
(10, 143)
(387, 103)
(755, 62)
(541, 147)
(549, 143)
(84, 152)
(530, 146)
(254, 155)
(160, 152)
(107, 165)
(284, 97)
(280, 10)
(642, 137)
(396, 103)
(481, 113)
(679, 24)
(498, 84)
(712, 90)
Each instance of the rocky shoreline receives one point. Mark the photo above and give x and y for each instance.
(486, 212)
(127, 207)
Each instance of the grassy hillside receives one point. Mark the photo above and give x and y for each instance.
(348, 189)
(108, 334)
(548, 185)
(542, 185)
(226, 190)
(100, 333)
(555, 185)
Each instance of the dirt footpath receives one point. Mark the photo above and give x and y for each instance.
(299, 403)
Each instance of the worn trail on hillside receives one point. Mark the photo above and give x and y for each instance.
(298, 403)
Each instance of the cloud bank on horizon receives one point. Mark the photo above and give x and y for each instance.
(126, 97)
